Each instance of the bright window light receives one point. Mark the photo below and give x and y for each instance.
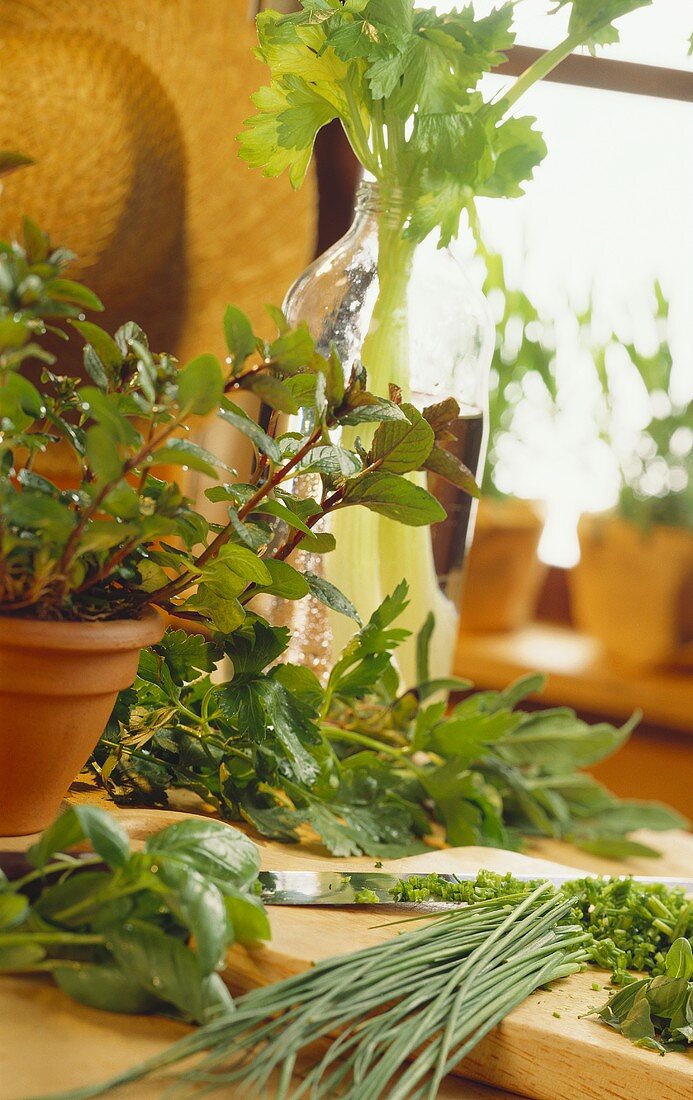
(609, 211)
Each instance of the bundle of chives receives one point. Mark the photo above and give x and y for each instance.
(425, 997)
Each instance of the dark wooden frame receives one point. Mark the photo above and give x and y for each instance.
(338, 170)
(607, 74)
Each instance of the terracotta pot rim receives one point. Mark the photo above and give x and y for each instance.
(590, 520)
(509, 514)
(109, 635)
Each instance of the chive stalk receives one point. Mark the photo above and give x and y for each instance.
(422, 999)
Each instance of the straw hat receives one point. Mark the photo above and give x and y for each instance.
(130, 109)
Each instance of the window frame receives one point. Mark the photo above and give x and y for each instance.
(584, 71)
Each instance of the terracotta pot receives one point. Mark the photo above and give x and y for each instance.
(503, 574)
(60, 465)
(631, 588)
(58, 685)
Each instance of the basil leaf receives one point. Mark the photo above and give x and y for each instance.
(82, 822)
(105, 986)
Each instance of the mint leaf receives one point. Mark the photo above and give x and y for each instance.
(239, 336)
(103, 455)
(103, 345)
(183, 452)
(240, 420)
(401, 446)
(394, 497)
(200, 385)
(448, 466)
(330, 595)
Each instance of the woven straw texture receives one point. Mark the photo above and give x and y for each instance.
(130, 109)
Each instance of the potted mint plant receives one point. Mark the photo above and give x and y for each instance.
(405, 85)
(88, 567)
(632, 586)
(503, 573)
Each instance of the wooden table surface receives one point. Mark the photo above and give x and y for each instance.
(578, 675)
(657, 761)
(50, 1043)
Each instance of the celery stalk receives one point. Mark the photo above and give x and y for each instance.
(373, 553)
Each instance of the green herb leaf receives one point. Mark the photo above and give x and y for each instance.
(401, 446)
(394, 497)
(235, 416)
(446, 465)
(13, 909)
(330, 595)
(106, 987)
(83, 822)
(679, 960)
(65, 290)
(10, 161)
(285, 581)
(103, 456)
(103, 345)
(200, 385)
(183, 452)
(219, 852)
(239, 336)
(161, 965)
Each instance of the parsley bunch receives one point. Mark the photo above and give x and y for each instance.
(368, 767)
(405, 84)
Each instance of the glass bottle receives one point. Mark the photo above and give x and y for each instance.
(412, 315)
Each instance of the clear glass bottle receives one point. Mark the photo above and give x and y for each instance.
(411, 314)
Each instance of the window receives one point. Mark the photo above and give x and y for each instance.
(609, 211)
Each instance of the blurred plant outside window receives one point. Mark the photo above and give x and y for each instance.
(606, 223)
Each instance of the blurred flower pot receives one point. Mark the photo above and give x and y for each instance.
(631, 587)
(58, 685)
(503, 572)
(61, 466)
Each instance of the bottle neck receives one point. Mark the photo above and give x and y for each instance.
(386, 205)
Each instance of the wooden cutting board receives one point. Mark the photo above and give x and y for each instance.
(533, 1052)
(541, 1050)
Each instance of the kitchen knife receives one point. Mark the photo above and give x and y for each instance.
(345, 887)
(374, 887)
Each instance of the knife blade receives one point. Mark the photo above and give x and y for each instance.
(374, 887)
(322, 888)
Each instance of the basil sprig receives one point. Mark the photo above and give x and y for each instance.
(142, 931)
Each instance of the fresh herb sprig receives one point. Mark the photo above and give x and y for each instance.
(422, 1000)
(656, 1013)
(404, 83)
(367, 767)
(114, 537)
(143, 931)
(631, 925)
